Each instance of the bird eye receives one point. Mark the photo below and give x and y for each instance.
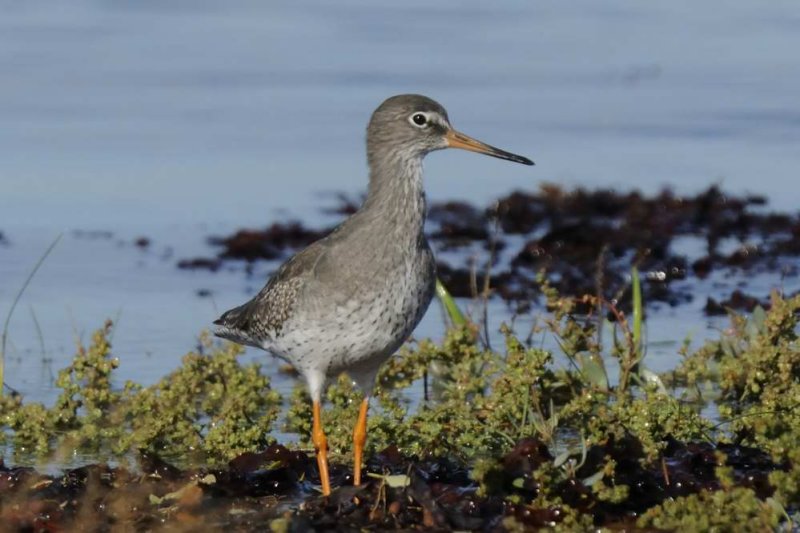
(419, 119)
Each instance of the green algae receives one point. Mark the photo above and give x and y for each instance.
(213, 408)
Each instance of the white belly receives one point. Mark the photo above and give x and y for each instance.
(355, 333)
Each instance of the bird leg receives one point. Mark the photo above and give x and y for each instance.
(359, 439)
(321, 447)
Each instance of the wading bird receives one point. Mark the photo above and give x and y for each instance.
(349, 300)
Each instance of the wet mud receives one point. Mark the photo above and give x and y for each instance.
(258, 491)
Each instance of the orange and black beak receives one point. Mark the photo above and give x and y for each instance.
(459, 140)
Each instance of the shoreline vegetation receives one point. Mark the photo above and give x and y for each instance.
(510, 440)
(508, 437)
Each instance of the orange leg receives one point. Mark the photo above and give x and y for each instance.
(359, 439)
(321, 446)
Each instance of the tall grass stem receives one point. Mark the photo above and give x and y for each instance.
(637, 313)
(14, 305)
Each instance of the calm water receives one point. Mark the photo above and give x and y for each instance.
(176, 120)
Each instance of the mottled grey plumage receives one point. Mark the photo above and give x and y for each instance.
(349, 300)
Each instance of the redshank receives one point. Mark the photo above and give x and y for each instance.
(349, 300)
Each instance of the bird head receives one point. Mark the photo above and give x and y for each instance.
(412, 125)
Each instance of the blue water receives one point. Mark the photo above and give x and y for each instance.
(179, 119)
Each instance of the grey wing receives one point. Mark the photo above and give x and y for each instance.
(262, 318)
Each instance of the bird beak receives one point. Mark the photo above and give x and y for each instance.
(456, 139)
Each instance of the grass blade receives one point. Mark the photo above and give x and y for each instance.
(637, 313)
(455, 315)
(14, 305)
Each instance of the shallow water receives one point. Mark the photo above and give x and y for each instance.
(177, 121)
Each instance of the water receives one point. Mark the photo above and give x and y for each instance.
(183, 119)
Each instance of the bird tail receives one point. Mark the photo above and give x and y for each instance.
(229, 327)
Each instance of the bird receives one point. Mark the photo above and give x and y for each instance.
(348, 301)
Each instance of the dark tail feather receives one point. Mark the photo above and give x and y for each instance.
(229, 326)
(231, 318)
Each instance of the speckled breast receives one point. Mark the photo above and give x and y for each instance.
(367, 328)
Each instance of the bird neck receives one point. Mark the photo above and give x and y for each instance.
(396, 192)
